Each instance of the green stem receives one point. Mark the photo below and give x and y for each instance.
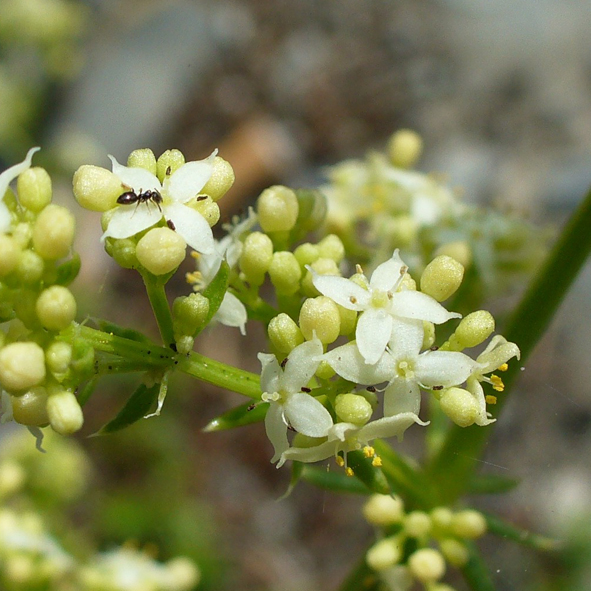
(476, 572)
(157, 296)
(506, 530)
(453, 467)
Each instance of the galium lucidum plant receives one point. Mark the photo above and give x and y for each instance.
(354, 356)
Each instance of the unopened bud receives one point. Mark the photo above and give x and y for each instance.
(123, 251)
(256, 257)
(34, 188)
(472, 330)
(161, 250)
(56, 307)
(22, 366)
(459, 250)
(10, 254)
(454, 551)
(58, 356)
(405, 148)
(441, 518)
(285, 273)
(460, 406)
(417, 524)
(353, 408)
(143, 158)
(96, 188)
(31, 408)
(53, 233)
(384, 554)
(30, 267)
(189, 313)
(12, 477)
(428, 334)
(427, 565)
(209, 209)
(442, 277)
(320, 315)
(168, 163)
(331, 247)
(222, 178)
(348, 320)
(383, 510)
(64, 412)
(284, 333)
(306, 254)
(468, 524)
(277, 208)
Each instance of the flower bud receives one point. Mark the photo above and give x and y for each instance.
(459, 405)
(285, 273)
(161, 250)
(459, 250)
(306, 254)
(30, 267)
(472, 330)
(22, 366)
(427, 565)
(384, 554)
(442, 277)
(468, 524)
(64, 412)
(96, 188)
(353, 408)
(189, 313)
(82, 363)
(405, 148)
(184, 573)
(348, 320)
(277, 208)
(428, 334)
(325, 371)
(331, 247)
(22, 234)
(53, 233)
(284, 333)
(12, 477)
(441, 519)
(221, 179)
(34, 189)
(31, 408)
(10, 254)
(320, 315)
(58, 357)
(123, 251)
(312, 210)
(143, 158)
(454, 551)
(417, 524)
(209, 209)
(168, 163)
(56, 307)
(257, 254)
(382, 510)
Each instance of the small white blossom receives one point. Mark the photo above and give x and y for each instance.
(380, 304)
(177, 191)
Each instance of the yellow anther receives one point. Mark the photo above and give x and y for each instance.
(369, 452)
(195, 255)
(376, 462)
(192, 277)
(497, 383)
(349, 471)
(490, 399)
(504, 367)
(340, 461)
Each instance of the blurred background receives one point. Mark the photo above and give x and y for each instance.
(500, 92)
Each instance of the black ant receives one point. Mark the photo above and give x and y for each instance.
(131, 197)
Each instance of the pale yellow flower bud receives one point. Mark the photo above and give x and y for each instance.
(325, 371)
(321, 316)
(441, 518)
(468, 524)
(10, 254)
(348, 320)
(189, 313)
(96, 188)
(405, 148)
(161, 250)
(22, 234)
(58, 356)
(382, 510)
(168, 163)
(285, 273)
(31, 408)
(428, 334)
(257, 254)
(34, 188)
(353, 408)
(459, 405)
(53, 233)
(442, 277)
(472, 330)
(64, 412)
(22, 366)
(384, 554)
(56, 307)
(284, 333)
(143, 158)
(454, 551)
(12, 477)
(222, 178)
(277, 208)
(331, 247)
(123, 251)
(417, 524)
(30, 267)
(427, 565)
(306, 254)
(184, 572)
(459, 250)
(322, 266)
(209, 209)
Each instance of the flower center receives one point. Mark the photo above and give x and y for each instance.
(405, 369)
(379, 298)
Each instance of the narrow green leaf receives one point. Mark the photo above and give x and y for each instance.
(121, 331)
(68, 271)
(503, 529)
(332, 480)
(135, 408)
(86, 391)
(371, 476)
(486, 484)
(216, 290)
(296, 473)
(245, 414)
(476, 572)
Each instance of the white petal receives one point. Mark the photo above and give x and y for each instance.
(232, 312)
(301, 365)
(475, 388)
(307, 416)
(402, 396)
(342, 291)
(191, 225)
(4, 217)
(270, 372)
(388, 274)
(374, 329)
(276, 430)
(135, 177)
(348, 362)
(309, 454)
(209, 265)
(186, 182)
(388, 427)
(407, 337)
(443, 368)
(128, 220)
(414, 304)
(11, 173)
(493, 357)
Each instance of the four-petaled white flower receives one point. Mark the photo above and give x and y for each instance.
(380, 304)
(282, 388)
(178, 190)
(404, 367)
(5, 179)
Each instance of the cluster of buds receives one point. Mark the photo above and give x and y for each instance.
(418, 545)
(36, 305)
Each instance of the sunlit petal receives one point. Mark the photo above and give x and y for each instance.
(191, 225)
(128, 220)
(402, 396)
(301, 365)
(388, 274)
(139, 179)
(276, 430)
(374, 329)
(186, 182)
(414, 304)
(307, 416)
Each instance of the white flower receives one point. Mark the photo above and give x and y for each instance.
(404, 367)
(282, 388)
(5, 179)
(380, 304)
(177, 191)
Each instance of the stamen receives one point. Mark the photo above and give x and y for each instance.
(490, 399)
(349, 471)
(503, 367)
(497, 383)
(340, 461)
(369, 452)
(377, 462)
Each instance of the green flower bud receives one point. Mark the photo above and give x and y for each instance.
(321, 316)
(472, 330)
(82, 363)
(353, 408)
(284, 333)
(161, 250)
(189, 314)
(383, 510)
(427, 565)
(459, 405)
(56, 307)
(143, 158)
(31, 408)
(184, 344)
(25, 308)
(442, 277)
(209, 209)
(22, 366)
(96, 188)
(34, 189)
(323, 267)
(417, 524)
(306, 254)
(277, 208)
(222, 178)
(123, 251)
(468, 524)
(168, 163)
(256, 257)
(58, 357)
(331, 247)
(454, 551)
(10, 254)
(441, 519)
(405, 148)
(384, 554)
(324, 371)
(30, 267)
(53, 233)
(285, 273)
(22, 234)
(348, 320)
(459, 250)
(312, 210)
(12, 478)
(64, 412)
(428, 335)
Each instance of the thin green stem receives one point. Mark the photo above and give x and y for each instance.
(157, 296)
